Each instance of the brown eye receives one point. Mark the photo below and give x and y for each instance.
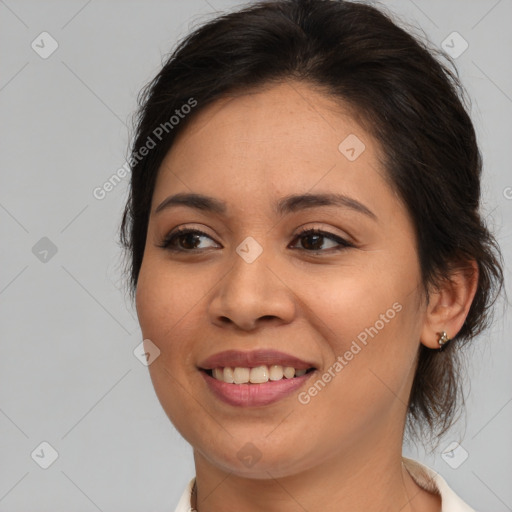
(184, 240)
(315, 239)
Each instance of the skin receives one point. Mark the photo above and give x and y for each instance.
(341, 451)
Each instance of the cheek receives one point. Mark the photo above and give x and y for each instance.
(165, 297)
(165, 301)
(370, 320)
(354, 304)
(171, 303)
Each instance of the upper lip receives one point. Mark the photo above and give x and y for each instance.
(253, 358)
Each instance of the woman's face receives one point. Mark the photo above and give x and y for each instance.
(346, 302)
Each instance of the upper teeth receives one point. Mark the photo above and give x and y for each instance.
(256, 375)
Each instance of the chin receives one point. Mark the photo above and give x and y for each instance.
(245, 459)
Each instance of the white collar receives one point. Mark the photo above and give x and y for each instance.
(433, 482)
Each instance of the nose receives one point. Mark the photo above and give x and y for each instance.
(251, 295)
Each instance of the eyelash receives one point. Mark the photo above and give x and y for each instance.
(169, 239)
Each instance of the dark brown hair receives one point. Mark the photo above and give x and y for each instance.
(400, 91)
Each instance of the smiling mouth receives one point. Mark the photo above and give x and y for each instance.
(256, 375)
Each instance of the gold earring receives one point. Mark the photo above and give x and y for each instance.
(443, 339)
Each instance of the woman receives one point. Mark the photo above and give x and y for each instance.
(307, 257)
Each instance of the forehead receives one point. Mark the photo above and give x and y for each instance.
(291, 118)
(282, 139)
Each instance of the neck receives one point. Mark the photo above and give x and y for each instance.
(369, 478)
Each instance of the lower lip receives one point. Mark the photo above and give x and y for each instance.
(252, 395)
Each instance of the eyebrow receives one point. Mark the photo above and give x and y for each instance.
(286, 205)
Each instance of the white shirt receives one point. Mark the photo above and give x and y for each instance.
(424, 476)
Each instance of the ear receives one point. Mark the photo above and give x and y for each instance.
(449, 305)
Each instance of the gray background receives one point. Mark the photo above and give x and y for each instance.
(68, 373)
